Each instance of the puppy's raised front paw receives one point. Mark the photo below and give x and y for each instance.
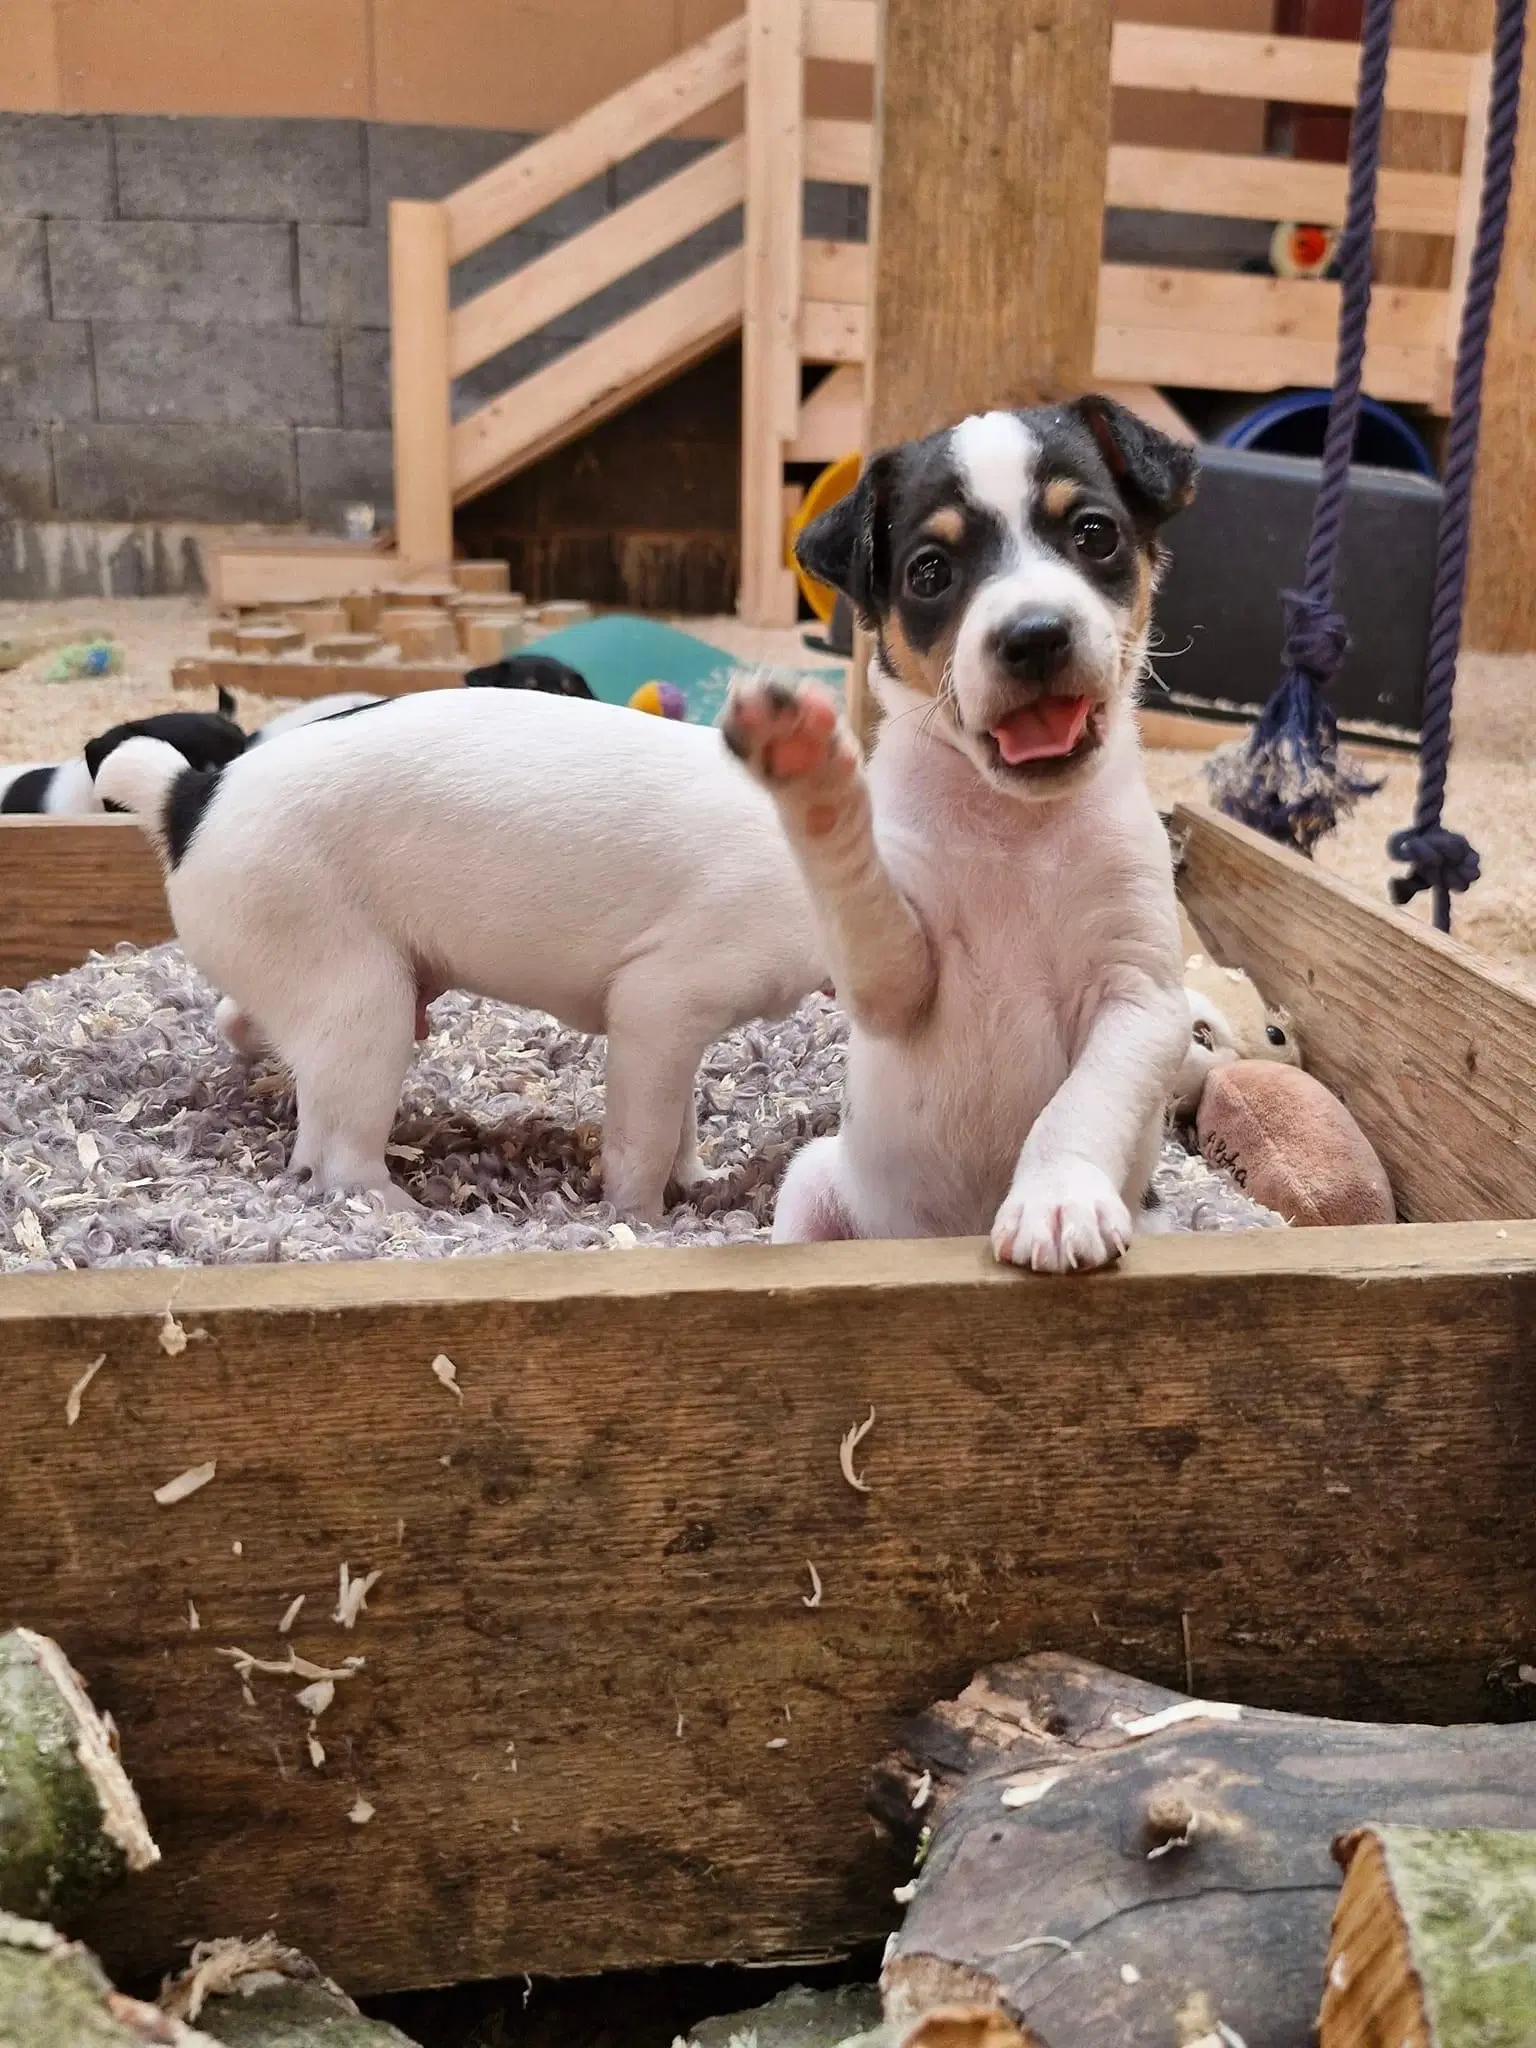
(787, 732)
(1062, 1219)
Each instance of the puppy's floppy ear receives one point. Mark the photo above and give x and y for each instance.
(97, 750)
(1154, 473)
(849, 547)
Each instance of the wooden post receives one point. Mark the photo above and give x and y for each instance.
(418, 316)
(1501, 597)
(987, 217)
(771, 323)
(991, 152)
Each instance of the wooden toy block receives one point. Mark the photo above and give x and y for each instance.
(420, 634)
(363, 609)
(345, 646)
(488, 639)
(486, 579)
(267, 639)
(317, 621)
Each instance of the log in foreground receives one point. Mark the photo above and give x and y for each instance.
(71, 1826)
(53, 1994)
(1434, 1940)
(1109, 1861)
(258, 1994)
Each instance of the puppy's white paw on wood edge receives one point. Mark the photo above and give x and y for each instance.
(787, 732)
(1062, 1219)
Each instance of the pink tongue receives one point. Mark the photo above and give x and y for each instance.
(1043, 731)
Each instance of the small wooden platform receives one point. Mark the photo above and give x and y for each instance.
(302, 676)
(597, 1721)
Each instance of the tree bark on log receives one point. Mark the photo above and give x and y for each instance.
(53, 1994)
(1434, 1940)
(258, 1994)
(71, 1825)
(1110, 1862)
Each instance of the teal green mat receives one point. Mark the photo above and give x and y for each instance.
(618, 652)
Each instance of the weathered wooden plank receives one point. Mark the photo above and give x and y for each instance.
(71, 886)
(988, 228)
(1433, 1049)
(313, 678)
(1311, 71)
(420, 388)
(596, 1566)
(1272, 188)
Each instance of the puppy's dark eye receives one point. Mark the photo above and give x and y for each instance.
(929, 574)
(1095, 536)
(1274, 1034)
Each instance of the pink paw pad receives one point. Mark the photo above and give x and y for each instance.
(786, 734)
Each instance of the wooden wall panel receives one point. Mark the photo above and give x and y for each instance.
(265, 57)
(1164, 120)
(29, 68)
(511, 63)
(1424, 142)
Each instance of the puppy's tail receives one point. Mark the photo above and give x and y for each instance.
(154, 782)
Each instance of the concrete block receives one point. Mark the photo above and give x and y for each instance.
(55, 164)
(26, 472)
(410, 162)
(229, 473)
(23, 272)
(365, 379)
(221, 271)
(341, 466)
(489, 266)
(836, 213)
(1197, 240)
(210, 169)
(343, 276)
(171, 370)
(45, 370)
(653, 277)
(490, 379)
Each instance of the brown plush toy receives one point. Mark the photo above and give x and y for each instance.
(1291, 1145)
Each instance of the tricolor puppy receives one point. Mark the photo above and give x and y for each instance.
(996, 888)
(570, 857)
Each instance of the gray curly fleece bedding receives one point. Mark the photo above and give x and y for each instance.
(130, 1135)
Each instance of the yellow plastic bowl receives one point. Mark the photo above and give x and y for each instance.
(835, 482)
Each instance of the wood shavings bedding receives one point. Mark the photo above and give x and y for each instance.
(498, 1134)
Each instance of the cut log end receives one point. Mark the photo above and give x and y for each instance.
(258, 1994)
(71, 1825)
(53, 1994)
(1433, 1940)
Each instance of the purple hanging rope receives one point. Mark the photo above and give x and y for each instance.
(1438, 858)
(1287, 780)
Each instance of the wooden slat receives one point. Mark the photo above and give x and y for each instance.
(293, 572)
(599, 376)
(653, 106)
(832, 419)
(72, 886)
(1310, 72)
(420, 396)
(1473, 162)
(841, 31)
(598, 256)
(313, 678)
(1235, 362)
(833, 332)
(595, 1566)
(1226, 302)
(1433, 1049)
(770, 355)
(842, 152)
(1272, 188)
(835, 270)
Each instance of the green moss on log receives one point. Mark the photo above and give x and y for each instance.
(53, 1994)
(70, 1824)
(1467, 1897)
(259, 1994)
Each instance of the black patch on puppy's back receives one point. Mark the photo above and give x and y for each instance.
(204, 739)
(29, 792)
(186, 805)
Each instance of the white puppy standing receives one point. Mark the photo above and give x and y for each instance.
(572, 857)
(997, 891)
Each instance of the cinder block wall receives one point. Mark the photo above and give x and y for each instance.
(194, 311)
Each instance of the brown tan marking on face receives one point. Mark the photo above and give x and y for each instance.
(923, 672)
(1134, 639)
(1059, 496)
(947, 524)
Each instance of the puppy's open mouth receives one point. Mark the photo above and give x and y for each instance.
(1047, 736)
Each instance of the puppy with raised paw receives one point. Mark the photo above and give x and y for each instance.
(996, 888)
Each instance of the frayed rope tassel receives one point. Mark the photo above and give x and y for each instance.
(1289, 779)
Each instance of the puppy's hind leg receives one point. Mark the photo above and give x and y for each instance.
(811, 1208)
(349, 1059)
(655, 1043)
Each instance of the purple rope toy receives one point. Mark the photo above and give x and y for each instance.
(1288, 779)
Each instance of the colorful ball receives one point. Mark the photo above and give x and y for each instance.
(662, 700)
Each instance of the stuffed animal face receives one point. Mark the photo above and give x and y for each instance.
(1229, 1021)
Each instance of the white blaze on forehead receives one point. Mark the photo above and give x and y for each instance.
(996, 455)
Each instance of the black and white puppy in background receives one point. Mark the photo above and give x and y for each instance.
(538, 672)
(995, 888)
(204, 739)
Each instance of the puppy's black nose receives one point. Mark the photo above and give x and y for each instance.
(1034, 645)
